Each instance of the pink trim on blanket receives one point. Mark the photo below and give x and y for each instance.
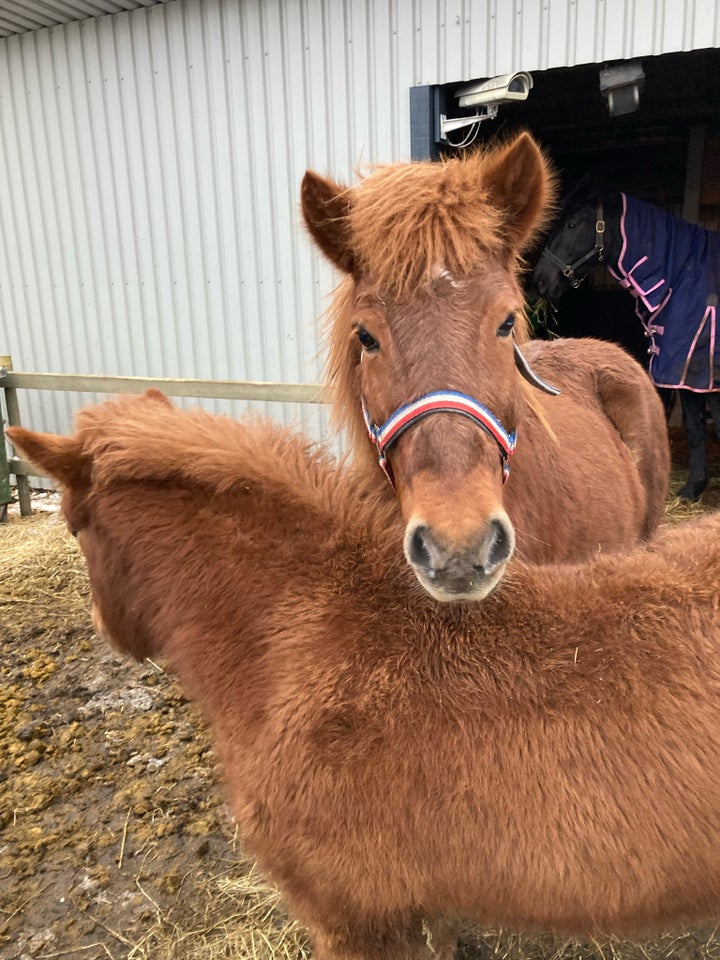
(711, 315)
(626, 279)
(622, 228)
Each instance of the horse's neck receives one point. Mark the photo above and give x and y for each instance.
(613, 233)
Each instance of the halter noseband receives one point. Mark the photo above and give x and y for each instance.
(450, 401)
(568, 269)
(440, 401)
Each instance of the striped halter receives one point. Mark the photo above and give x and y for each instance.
(450, 401)
(440, 401)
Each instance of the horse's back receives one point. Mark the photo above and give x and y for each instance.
(622, 472)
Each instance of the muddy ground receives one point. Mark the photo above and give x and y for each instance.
(114, 838)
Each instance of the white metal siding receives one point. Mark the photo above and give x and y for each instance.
(19, 16)
(150, 163)
(465, 39)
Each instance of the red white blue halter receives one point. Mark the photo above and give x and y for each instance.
(440, 401)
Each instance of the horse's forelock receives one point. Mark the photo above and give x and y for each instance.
(588, 189)
(408, 219)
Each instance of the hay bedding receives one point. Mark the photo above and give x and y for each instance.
(114, 839)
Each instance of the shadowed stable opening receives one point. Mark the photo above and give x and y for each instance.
(667, 152)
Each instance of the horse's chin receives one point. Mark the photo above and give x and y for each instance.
(462, 589)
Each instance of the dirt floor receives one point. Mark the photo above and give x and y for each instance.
(114, 838)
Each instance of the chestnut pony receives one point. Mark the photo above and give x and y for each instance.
(429, 320)
(548, 758)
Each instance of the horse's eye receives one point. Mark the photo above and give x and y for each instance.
(570, 225)
(506, 327)
(368, 341)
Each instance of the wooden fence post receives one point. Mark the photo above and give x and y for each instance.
(13, 413)
(4, 471)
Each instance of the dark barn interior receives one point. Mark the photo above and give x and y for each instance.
(666, 152)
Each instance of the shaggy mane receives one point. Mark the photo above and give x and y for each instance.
(342, 375)
(408, 219)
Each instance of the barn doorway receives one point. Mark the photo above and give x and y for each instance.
(667, 152)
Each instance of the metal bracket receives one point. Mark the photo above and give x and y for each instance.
(457, 123)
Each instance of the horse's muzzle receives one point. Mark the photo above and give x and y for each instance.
(466, 573)
(550, 285)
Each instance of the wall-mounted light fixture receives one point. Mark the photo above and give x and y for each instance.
(621, 86)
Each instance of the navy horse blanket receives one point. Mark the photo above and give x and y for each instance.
(672, 268)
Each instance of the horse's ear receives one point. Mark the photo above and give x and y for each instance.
(60, 458)
(520, 182)
(157, 396)
(326, 208)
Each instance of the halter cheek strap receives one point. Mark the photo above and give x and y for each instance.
(440, 401)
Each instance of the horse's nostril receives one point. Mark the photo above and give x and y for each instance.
(418, 552)
(501, 546)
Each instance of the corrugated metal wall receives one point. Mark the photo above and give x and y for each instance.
(498, 37)
(150, 164)
(19, 16)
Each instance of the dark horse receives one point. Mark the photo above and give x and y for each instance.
(672, 268)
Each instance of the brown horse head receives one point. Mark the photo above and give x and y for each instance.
(432, 305)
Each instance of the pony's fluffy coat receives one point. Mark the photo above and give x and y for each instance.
(591, 467)
(550, 757)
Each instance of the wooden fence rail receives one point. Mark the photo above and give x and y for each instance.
(12, 380)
